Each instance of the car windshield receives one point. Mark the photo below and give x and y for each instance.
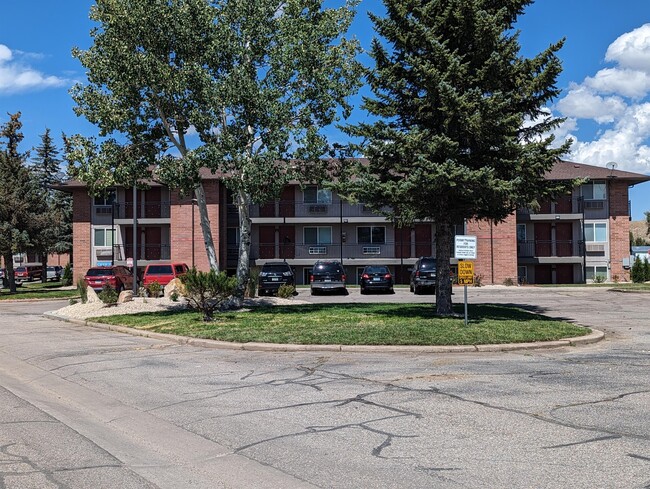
(376, 270)
(275, 268)
(428, 265)
(159, 270)
(99, 272)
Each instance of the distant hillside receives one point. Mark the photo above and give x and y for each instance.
(639, 230)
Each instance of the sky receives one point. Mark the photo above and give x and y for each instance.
(605, 81)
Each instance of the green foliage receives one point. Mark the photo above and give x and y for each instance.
(478, 280)
(599, 279)
(286, 291)
(108, 295)
(67, 275)
(646, 270)
(509, 282)
(174, 296)
(82, 288)
(154, 289)
(208, 291)
(460, 120)
(637, 273)
(72, 302)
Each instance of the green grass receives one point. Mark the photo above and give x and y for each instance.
(621, 286)
(358, 324)
(38, 290)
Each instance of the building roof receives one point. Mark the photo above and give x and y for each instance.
(568, 170)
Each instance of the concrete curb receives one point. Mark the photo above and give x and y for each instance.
(587, 339)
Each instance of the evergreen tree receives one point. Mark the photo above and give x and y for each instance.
(637, 273)
(20, 198)
(460, 122)
(646, 270)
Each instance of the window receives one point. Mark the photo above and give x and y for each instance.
(596, 232)
(316, 195)
(318, 235)
(103, 237)
(371, 234)
(593, 272)
(232, 237)
(594, 191)
(106, 199)
(521, 232)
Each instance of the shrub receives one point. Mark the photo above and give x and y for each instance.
(155, 288)
(174, 296)
(286, 291)
(509, 282)
(637, 273)
(142, 292)
(599, 279)
(646, 270)
(82, 288)
(253, 279)
(208, 291)
(478, 280)
(616, 279)
(108, 295)
(72, 302)
(67, 275)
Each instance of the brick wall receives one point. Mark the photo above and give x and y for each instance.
(81, 238)
(181, 226)
(496, 258)
(619, 229)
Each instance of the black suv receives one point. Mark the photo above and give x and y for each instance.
(328, 276)
(423, 275)
(273, 275)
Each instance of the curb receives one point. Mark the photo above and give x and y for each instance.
(593, 337)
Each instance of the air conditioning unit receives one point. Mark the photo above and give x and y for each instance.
(318, 250)
(371, 250)
(318, 209)
(104, 209)
(595, 247)
(594, 204)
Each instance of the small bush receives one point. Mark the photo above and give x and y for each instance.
(253, 279)
(174, 296)
(72, 302)
(155, 288)
(208, 291)
(67, 275)
(82, 288)
(509, 282)
(108, 295)
(599, 279)
(142, 292)
(616, 279)
(478, 280)
(286, 291)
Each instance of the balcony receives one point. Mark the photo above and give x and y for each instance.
(146, 210)
(145, 252)
(549, 248)
(284, 209)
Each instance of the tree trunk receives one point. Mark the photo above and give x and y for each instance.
(243, 261)
(444, 234)
(208, 241)
(9, 271)
(44, 268)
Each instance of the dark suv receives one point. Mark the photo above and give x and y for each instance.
(423, 275)
(328, 276)
(273, 275)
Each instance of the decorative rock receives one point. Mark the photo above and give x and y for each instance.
(125, 296)
(175, 286)
(91, 296)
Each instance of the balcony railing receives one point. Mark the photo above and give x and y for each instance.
(146, 210)
(145, 252)
(288, 208)
(549, 248)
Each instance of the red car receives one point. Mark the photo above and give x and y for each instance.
(118, 277)
(163, 273)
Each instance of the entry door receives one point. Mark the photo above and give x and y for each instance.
(402, 242)
(152, 203)
(542, 239)
(267, 242)
(152, 239)
(543, 274)
(287, 202)
(564, 273)
(563, 239)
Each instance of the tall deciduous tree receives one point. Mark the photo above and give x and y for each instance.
(460, 118)
(242, 87)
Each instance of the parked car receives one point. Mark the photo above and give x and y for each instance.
(328, 276)
(54, 273)
(423, 275)
(377, 278)
(118, 277)
(28, 273)
(273, 275)
(163, 273)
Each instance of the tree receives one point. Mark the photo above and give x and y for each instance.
(647, 222)
(56, 232)
(460, 119)
(637, 273)
(20, 198)
(256, 81)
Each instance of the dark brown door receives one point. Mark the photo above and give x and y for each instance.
(152, 203)
(542, 239)
(287, 202)
(152, 238)
(543, 274)
(402, 242)
(563, 205)
(423, 240)
(287, 242)
(127, 211)
(267, 242)
(564, 273)
(545, 207)
(563, 239)
(267, 210)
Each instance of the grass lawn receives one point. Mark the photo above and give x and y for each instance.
(38, 290)
(358, 324)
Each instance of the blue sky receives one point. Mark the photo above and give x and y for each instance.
(605, 83)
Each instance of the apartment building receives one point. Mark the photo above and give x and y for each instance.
(581, 236)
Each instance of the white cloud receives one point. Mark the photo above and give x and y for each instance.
(626, 82)
(583, 103)
(17, 77)
(632, 49)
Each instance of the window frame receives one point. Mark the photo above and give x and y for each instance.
(593, 226)
(592, 185)
(318, 235)
(322, 195)
(371, 228)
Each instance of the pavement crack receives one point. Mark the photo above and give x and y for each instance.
(592, 440)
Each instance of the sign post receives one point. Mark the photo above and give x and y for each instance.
(465, 249)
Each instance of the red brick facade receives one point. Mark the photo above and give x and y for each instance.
(496, 258)
(619, 229)
(81, 233)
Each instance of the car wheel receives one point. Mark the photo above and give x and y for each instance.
(417, 290)
(362, 291)
(411, 287)
(391, 291)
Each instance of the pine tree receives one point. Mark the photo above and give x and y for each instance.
(637, 273)
(460, 119)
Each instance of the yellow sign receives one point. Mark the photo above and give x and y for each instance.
(466, 273)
